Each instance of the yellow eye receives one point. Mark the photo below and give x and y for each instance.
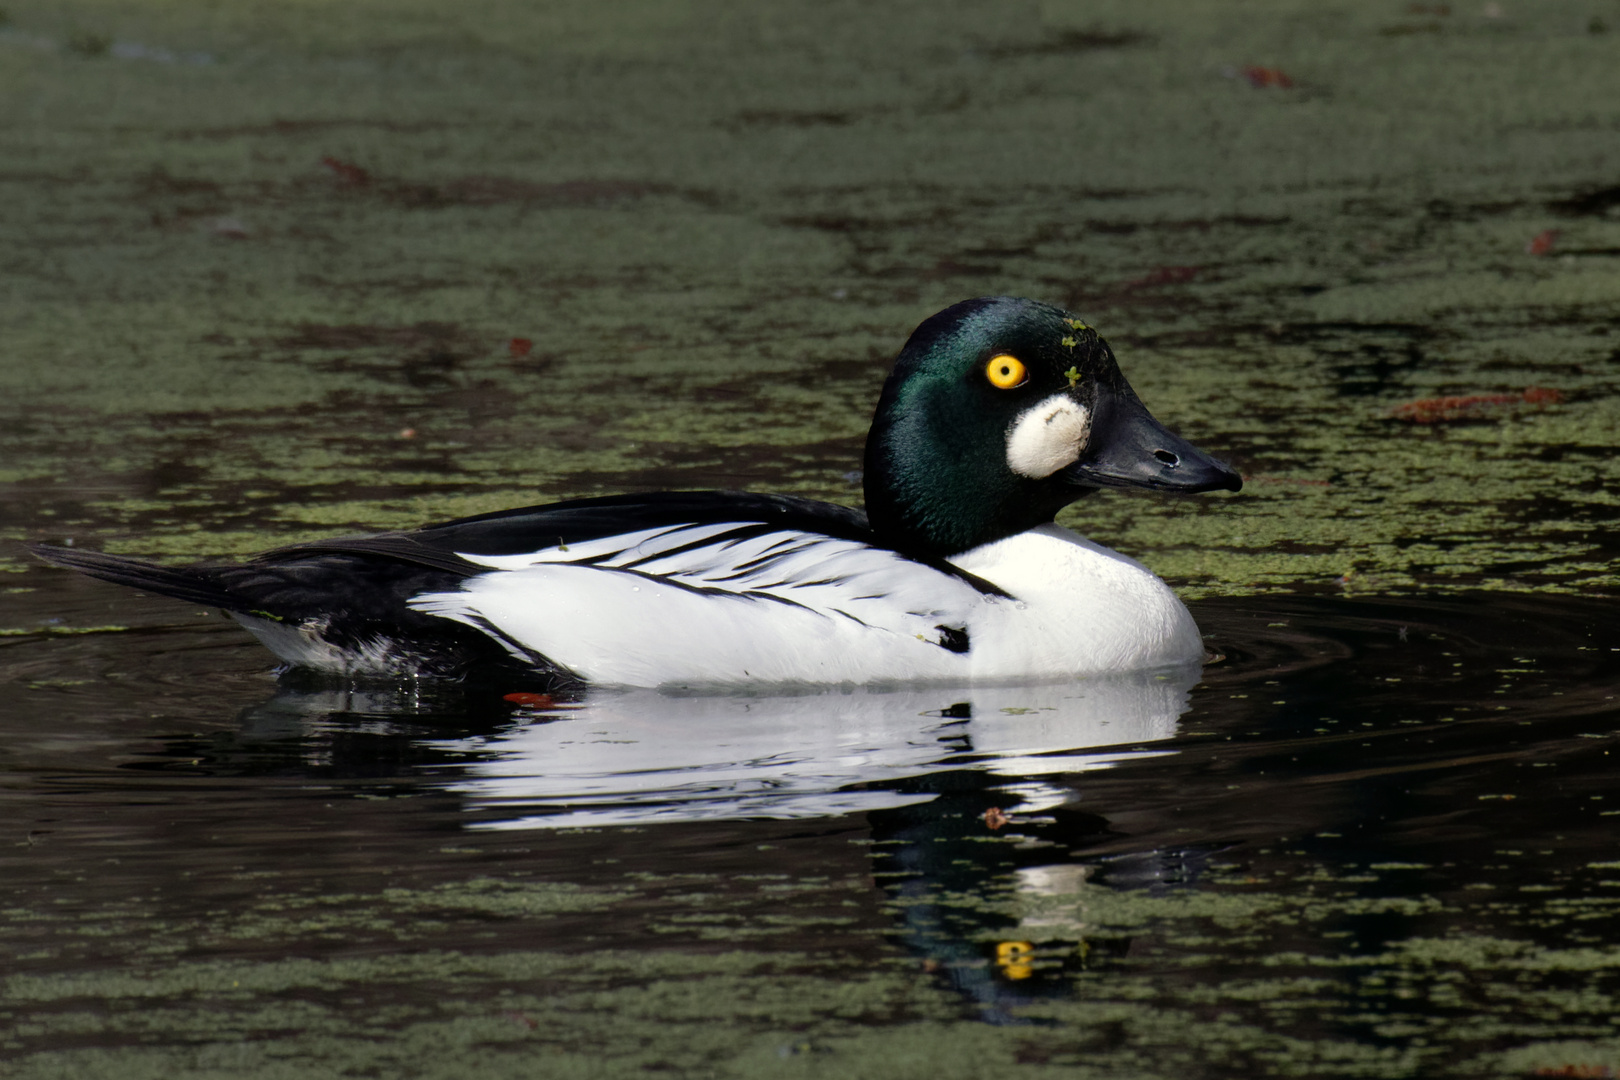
(1005, 372)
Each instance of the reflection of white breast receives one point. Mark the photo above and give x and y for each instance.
(642, 756)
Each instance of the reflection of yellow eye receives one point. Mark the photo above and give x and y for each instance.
(1005, 372)
(1015, 959)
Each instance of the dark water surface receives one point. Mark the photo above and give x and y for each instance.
(1376, 838)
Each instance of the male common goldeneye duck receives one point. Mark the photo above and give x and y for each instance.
(999, 412)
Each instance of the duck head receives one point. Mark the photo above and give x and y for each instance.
(1001, 411)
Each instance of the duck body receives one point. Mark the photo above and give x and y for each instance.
(760, 602)
(999, 412)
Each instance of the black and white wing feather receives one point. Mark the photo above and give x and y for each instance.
(723, 602)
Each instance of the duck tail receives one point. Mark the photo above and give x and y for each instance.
(192, 584)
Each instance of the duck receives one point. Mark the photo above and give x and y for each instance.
(998, 412)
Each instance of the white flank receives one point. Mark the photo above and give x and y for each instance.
(689, 605)
(1047, 437)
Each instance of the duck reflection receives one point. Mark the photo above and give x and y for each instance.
(638, 757)
(1004, 897)
(609, 758)
(970, 793)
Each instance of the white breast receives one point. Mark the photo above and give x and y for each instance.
(1082, 610)
(703, 604)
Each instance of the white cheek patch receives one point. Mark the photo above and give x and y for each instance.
(1048, 437)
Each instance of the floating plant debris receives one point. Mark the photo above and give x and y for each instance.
(1542, 243)
(1472, 406)
(1266, 77)
(346, 173)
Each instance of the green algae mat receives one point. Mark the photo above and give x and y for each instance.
(246, 247)
(272, 271)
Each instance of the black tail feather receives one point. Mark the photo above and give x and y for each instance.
(191, 584)
(356, 603)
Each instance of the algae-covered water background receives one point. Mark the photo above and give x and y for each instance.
(271, 271)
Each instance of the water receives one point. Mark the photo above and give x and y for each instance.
(274, 272)
(1374, 838)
